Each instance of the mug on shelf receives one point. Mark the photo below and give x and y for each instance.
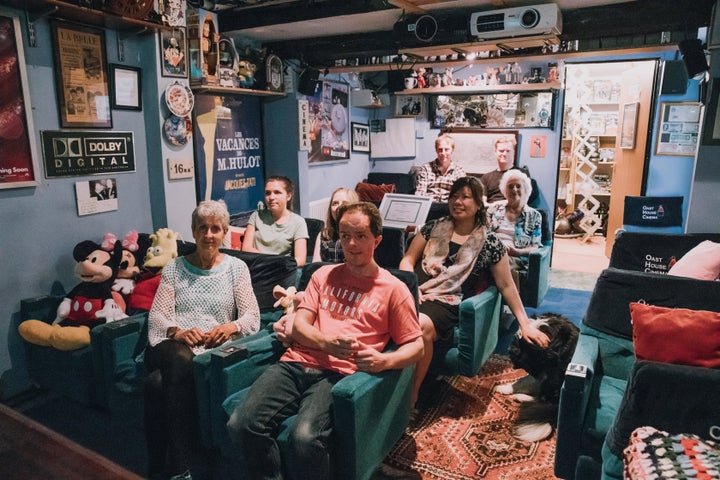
(410, 82)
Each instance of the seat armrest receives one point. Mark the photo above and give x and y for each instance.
(574, 399)
(537, 280)
(43, 307)
(225, 370)
(477, 332)
(114, 347)
(370, 412)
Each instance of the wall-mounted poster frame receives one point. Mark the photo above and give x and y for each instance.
(81, 76)
(475, 148)
(493, 110)
(409, 105)
(17, 146)
(711, 128)
(126, 87)
(678, 129)
(173, 53)
(629, 125)
(329, 123)
(360, 137)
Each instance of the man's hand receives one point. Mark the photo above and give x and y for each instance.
(370, 360)
(283, 329)
(342, 347)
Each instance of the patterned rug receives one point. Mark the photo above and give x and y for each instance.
(464, 431)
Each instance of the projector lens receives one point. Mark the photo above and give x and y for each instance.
(529, 18)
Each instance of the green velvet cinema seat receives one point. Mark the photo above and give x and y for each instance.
(370, 411)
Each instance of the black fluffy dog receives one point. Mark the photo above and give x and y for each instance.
(540, 389)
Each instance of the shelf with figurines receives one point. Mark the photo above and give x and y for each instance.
(511, 77)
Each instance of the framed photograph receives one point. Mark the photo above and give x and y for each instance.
(629, 125)
(17, 143)
(81, 76)
(496, 110)
(360, 137)
(173, 53)
(678, 129)
(409, 105)
(711, 129)
(475, 148)
(96, 196)
(126, 87)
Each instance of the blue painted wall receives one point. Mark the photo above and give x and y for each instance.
(40, 225)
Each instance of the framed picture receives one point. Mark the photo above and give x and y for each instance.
(329, 119)
(629, 125)
(711, 129)
(173, 53)
(475, 148)
(678, 129)
(126, 87)
(409, 105)
(81, 76)
(360, 137)
(17, 143)
(495, 110)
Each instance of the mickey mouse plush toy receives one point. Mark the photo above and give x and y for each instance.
(89, 304)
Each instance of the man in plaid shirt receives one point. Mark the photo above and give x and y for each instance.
(435, 178)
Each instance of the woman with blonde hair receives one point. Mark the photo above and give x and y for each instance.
(327, 246)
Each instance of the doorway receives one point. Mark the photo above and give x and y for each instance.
(602, 157)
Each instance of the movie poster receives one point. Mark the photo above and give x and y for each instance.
(329, 122)
(228, 151)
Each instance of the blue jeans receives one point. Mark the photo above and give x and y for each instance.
(283, 390)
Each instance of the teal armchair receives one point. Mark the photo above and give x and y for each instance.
(604, 358)
(475, 337)
(370, 411)
(535, 281)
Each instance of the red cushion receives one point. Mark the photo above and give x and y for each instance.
(676, 335)
(369, 192)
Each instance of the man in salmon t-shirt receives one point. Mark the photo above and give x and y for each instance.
(346, 317)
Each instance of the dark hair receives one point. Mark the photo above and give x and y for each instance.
(287, 183)
(369, 210)
(478, 192)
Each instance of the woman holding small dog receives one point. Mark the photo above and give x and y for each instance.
(518, 225)
(450, 255)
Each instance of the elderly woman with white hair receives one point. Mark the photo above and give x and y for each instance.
(518, 225)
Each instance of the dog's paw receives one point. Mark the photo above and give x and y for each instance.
(506, 389)
(533, 432)
(523, 397)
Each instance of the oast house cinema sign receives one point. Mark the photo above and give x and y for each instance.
(76, 153)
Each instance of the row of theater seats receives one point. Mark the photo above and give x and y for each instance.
(607, 392)
(371, 411)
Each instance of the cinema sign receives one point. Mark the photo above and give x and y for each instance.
(77, 153)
